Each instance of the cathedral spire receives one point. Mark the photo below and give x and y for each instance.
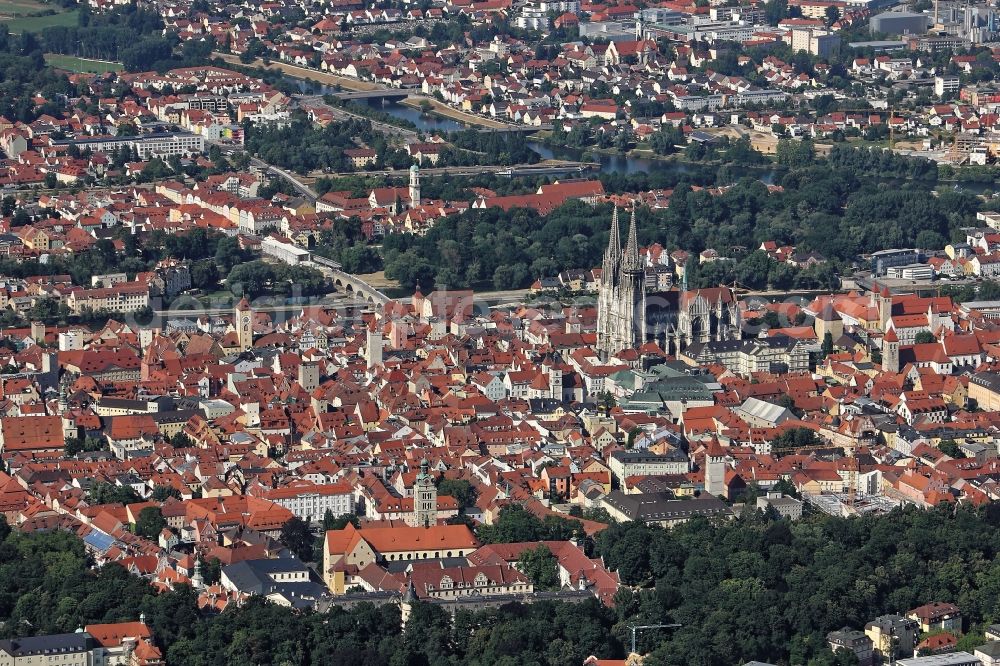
(631, 261)
(614, 240)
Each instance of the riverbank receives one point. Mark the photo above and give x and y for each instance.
(545, 139)
(297, 72)
(443, 109)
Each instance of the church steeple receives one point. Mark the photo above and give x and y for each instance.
(424, 497)
(630, 260)
(244, 324)
(621, 299)
(612, 255)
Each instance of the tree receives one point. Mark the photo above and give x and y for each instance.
(827, 347)
(128, 129)
(949, 447)
(181, 441)
(295, 534)
(205, 274)
(541, 566)
(795, 438)
(793, 153)
(330, 522)
(150, 523)
(788, 402)
(161, 493)
(775, 10)
(924, 337)
(155, 169)
(930, 240)
(211, 570)
(989, 290)
(75, 445)
(460, 489)
(516, 524)
(109, 493)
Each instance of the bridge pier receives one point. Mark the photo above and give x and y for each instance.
(357, 287)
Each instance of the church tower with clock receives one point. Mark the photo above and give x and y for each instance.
(244, 324)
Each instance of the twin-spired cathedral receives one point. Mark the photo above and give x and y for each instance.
(628, 317)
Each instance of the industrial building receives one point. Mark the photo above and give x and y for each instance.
(900, 23)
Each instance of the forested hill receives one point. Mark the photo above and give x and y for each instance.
(753, 588)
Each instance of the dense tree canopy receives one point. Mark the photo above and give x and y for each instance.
(302, 147)
(823, 205)
(771, 590)
(296, 536)
(109, 493)
(751, 588)
(516, 524)
(129, 34)
(541, 566)
(261, 277)
(23, 75)
(46, 587)
(460, 489)
(150, 523)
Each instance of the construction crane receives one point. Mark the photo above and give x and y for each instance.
(738, 286)
(639, 627)
(892, 127)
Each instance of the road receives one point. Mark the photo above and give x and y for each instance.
(340, 113)
(300, 187)
(550, 167)
(298, 72)
(456, 114)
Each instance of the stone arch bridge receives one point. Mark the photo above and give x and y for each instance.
(351, 284)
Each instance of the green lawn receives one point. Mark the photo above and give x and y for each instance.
(74, 64)
(15, 7)
(36, 23)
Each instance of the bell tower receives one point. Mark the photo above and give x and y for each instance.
(715, 468)
(244, 324)
(414, 186)
(890, 351)
(424, 497)
(884, 308)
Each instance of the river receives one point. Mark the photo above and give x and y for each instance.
(610, 163)
(429, 122)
